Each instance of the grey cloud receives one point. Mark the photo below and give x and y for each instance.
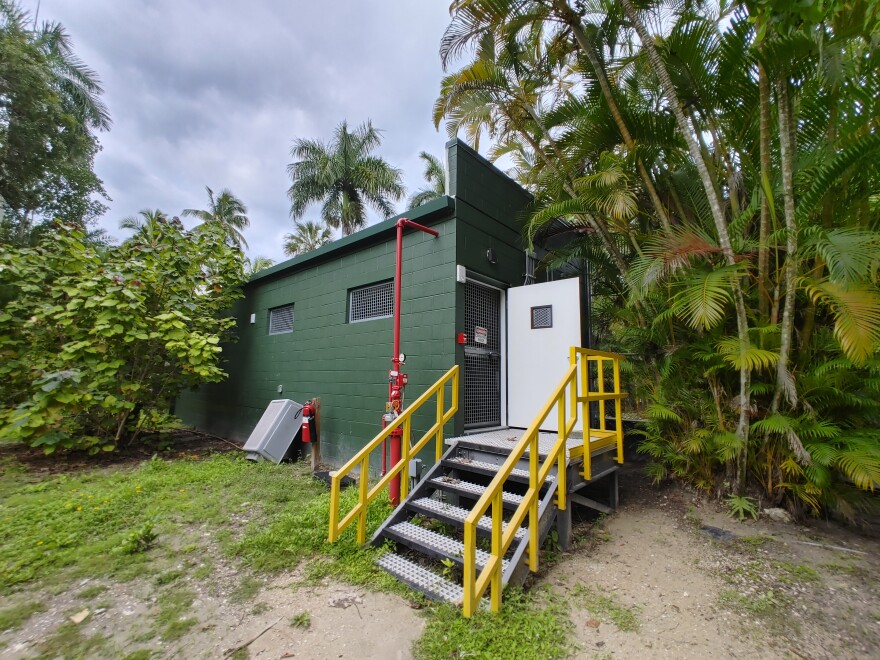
(213, 93)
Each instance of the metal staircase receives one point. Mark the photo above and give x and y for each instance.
(428, 527)
(477, 519)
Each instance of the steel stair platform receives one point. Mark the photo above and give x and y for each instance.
(426, 529)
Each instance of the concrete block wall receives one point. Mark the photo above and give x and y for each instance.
(346, 364)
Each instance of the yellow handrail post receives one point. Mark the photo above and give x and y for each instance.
(600, 365)
(497, 550)
(404, 472)
(440, 411)
(618, 415)
(469, 571)
(334, 508)
(585, 411)
(365, 489)
(563, 452)
(534, 486)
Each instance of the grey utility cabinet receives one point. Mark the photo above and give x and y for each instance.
(275, 432)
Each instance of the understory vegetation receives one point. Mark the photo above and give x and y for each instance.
(96, 342)
(715, 169)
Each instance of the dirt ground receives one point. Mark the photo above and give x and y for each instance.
(705, 585)
(332, 621)
(697, 583)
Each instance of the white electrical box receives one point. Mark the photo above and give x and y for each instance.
(275, 431)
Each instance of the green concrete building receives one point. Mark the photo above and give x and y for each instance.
(320, 324)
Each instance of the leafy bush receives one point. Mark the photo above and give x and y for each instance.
(140, 540)
(96, 342)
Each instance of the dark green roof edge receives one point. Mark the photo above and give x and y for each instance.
(435, 209)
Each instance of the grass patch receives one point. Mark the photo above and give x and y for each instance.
(13, 618)
(260, 608)
(755, 541)
(796, 573)
(140, 654)
(761, 605)
(68, 642)
(302, 531)
(167, 577)
(529, 625)
(607, 609)
(85, 525)
(90, 593)
(301, 620)
(247, 589)
(171, 621)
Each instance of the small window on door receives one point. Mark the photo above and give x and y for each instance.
(542, 317)
(281, 320)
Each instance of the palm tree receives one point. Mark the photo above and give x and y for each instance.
(344, 176)
(145, 225)
(435, 176)
(77, 85)
(308, 236)
(255, 265)
(226, 210)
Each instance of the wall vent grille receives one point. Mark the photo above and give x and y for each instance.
(281, 320)
(375, 301)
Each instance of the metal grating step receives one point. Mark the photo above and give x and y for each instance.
(451, 484)
(454, 515)
(421, 579)
(435, 545)
(480, 467)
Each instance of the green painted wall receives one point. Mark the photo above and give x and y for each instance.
(489, 210)
(346, 364)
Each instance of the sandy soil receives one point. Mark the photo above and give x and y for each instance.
(661, 555)
(343, 622)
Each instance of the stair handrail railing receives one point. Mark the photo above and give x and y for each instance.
(362, 458)
(600, 437)
(575, 383)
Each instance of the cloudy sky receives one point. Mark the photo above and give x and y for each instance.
(212, 92)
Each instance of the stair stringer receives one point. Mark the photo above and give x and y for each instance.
(518, 570)
(400, 512)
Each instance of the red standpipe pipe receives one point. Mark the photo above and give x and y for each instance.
(397, 381)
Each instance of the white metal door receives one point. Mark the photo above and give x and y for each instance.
(543, 321)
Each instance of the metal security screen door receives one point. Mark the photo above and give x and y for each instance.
(482, 356)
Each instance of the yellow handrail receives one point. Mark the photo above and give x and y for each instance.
(362, 458)
(576, 384)
(598, 438)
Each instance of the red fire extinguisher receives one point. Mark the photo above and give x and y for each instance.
(308, 412)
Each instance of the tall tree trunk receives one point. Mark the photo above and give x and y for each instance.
(784, 384)
(784, 381)
(764, 229)
(573, 21)
(742, 323)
